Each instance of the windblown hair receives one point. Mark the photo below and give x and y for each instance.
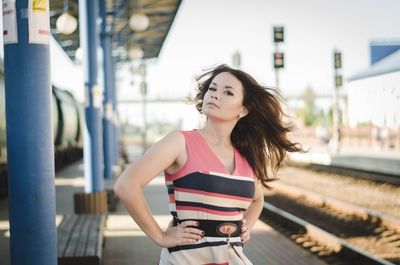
(260, 136)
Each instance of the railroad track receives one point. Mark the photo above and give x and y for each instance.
(358, 173)
(337, 232)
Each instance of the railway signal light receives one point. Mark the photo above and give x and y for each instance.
(338, 60)
(338, 80)
(278, 34)
(279, 60)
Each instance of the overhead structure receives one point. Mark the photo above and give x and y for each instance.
(133, 24)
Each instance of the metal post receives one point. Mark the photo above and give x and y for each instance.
(114, 112)
(107, 102)
(30, 151)
(278, 37)
(277, 79)
(335, 107)
(143, 90)
(116, 126)
(93, 148)
(144, 106)
(335, 112)
(276, 71)
(117, 132)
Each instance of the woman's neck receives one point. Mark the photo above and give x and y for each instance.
(217, 133)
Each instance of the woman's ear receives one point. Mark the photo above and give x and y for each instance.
(244, 112)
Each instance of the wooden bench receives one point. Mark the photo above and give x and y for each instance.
(80, 239)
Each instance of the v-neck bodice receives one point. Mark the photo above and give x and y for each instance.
(207, 146)
(201, 158)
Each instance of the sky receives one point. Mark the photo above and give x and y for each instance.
(208, 32)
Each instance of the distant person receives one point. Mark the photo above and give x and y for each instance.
(214, 175)
(381, 135)
(376, 133)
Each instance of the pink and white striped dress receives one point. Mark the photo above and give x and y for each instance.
(204, 190)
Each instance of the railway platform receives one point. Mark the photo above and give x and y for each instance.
(125, 243)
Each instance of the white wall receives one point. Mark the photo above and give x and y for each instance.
(375, 99)
(65, 74)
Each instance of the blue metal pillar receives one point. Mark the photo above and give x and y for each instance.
(108, 134)
(93, 147)
(30, 154)
(117, 131)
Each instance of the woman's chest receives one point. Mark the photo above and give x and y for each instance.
(213, 185)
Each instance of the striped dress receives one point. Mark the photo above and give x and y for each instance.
(204, 190)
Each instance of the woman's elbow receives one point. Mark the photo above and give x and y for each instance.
(120, 185)
(118, 188)
(125, 185)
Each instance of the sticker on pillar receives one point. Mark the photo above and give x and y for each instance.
(108, 111)
(97, 96)
(39, 21)
(10, 34)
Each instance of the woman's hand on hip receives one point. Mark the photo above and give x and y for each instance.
(183, 234)
(245, 232)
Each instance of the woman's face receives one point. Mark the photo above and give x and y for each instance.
(223, 99)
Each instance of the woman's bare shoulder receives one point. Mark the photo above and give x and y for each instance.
(175, 137)
(176, 140)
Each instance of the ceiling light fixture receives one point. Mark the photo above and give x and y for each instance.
(66, 23)
(139, 22)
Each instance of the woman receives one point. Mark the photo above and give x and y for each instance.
(214, 175)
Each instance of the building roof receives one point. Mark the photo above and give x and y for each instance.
(389, 64)
(383, 48)
(160, 12)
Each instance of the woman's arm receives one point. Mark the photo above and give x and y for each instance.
(253, 212)
(129, 188)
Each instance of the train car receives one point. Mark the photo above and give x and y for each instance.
(67, 127)
(67, 120)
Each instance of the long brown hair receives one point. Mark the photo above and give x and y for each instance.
(260, 136)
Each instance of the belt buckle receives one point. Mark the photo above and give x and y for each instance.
(227, 228)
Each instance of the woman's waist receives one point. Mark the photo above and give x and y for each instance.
(215, 228)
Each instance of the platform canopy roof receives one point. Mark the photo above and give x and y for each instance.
(389, 64)
(160, 12)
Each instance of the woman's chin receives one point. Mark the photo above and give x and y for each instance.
(213, 116)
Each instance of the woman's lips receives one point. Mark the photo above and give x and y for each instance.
(212, 104)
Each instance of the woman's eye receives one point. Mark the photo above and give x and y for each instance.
(229, 93)
(212, 88)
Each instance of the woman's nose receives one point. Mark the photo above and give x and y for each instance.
(214, 96)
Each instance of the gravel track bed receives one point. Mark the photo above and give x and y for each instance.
(383, 198)
(366, 234)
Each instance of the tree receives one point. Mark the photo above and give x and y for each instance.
(309, 114)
